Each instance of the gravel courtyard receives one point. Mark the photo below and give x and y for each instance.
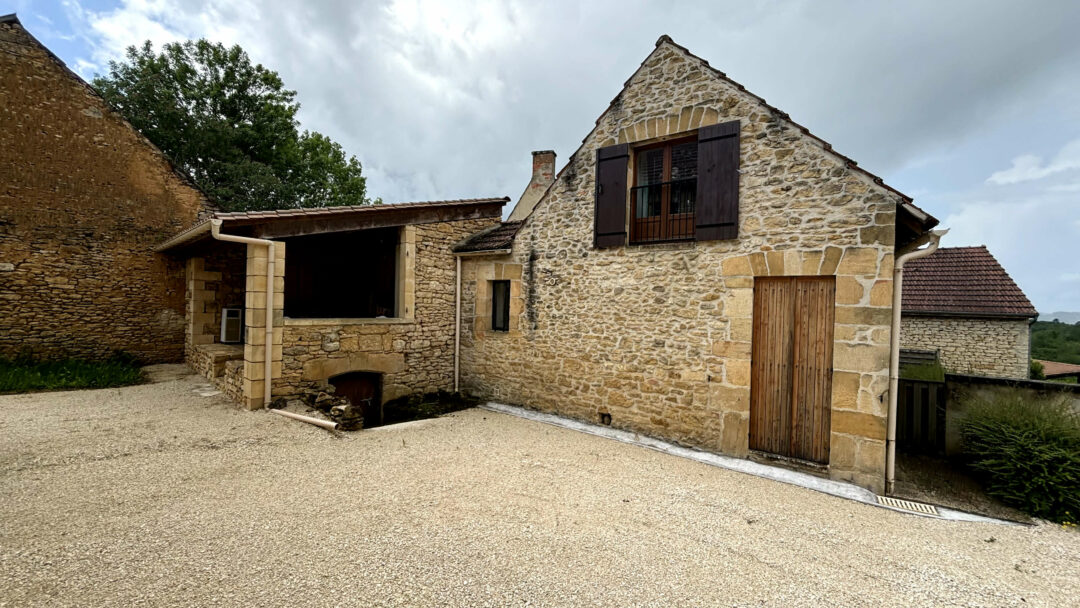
(153, 495)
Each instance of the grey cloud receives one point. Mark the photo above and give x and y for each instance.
(447, 99)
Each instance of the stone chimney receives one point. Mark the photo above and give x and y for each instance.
(543, 174)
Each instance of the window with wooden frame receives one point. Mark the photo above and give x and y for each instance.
(500, 305)
(680, 189)
(664, 191)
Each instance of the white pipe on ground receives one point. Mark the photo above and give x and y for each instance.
(268, 355)
(894, 352)
(457, 325)
(319, 422)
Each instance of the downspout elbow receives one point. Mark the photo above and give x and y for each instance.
(268, 310)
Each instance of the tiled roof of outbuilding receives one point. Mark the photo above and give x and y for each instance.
(336, 218)
(962, 281)
(490, 239)
(348, 209)
(1056, 368)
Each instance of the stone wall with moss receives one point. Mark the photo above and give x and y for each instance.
(659, 336)
(999, 348)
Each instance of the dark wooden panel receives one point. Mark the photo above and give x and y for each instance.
(610, 209)
(717, 213)
(920, 419)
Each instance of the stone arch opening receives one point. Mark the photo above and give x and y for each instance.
(364, 390)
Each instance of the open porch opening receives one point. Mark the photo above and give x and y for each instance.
(347, 275)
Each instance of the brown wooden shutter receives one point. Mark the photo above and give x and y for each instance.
(717, 213)
(610, 212)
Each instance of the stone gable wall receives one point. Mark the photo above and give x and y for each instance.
(414, 356)
(83, 201)
(659, 336)
(998, 348)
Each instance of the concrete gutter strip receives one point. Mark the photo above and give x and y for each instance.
(839, 489)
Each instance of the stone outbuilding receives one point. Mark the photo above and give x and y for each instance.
(84, 199)
(363, 298)
(960, 304)
(704, 270)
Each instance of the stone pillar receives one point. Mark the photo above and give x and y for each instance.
(200, 302)
(255, 322)
(406, 273)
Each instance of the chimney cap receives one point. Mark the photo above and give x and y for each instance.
(541, 152)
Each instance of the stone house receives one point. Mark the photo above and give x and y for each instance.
(962, 305)
(84, 198)
(363, 298)
(702, 269)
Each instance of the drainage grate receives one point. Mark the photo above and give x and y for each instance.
(907, 505)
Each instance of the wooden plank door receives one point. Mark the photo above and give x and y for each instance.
(791, 370)
(772, 354)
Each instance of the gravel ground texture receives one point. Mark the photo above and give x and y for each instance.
(153, 495)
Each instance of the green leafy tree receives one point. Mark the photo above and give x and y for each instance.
(1054, 341)
(231, 126)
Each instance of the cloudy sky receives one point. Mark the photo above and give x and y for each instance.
(973, 108)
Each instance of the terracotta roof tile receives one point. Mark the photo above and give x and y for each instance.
(1056, 368)
(490, 239)
(962, 281)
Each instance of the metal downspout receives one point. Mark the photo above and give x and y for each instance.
(457, 325)
(894, 353)
(268, 355)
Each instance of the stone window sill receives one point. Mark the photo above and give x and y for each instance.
(346, 321)
(653, 245)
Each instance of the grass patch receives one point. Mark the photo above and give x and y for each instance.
(24, 374)
(1027, 453)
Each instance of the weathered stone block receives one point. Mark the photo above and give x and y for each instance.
(727, 398)
(863, 315)
(738, 350)
(858, 424)
(736, 434)
(859, 261)
(848, 290)
(737, 372)
(881, 293)
(860, 357)
(842, 451)
(845, 389)
(736, 266)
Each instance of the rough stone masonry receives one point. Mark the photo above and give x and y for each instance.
(658, 337)
(83, 200)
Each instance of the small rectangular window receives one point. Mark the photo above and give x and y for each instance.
(500, 305)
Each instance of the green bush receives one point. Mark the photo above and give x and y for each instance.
(24, 373)
(1027, 452)
(1038, 372)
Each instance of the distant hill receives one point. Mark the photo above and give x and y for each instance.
(1055, 341)
(1064, 317)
